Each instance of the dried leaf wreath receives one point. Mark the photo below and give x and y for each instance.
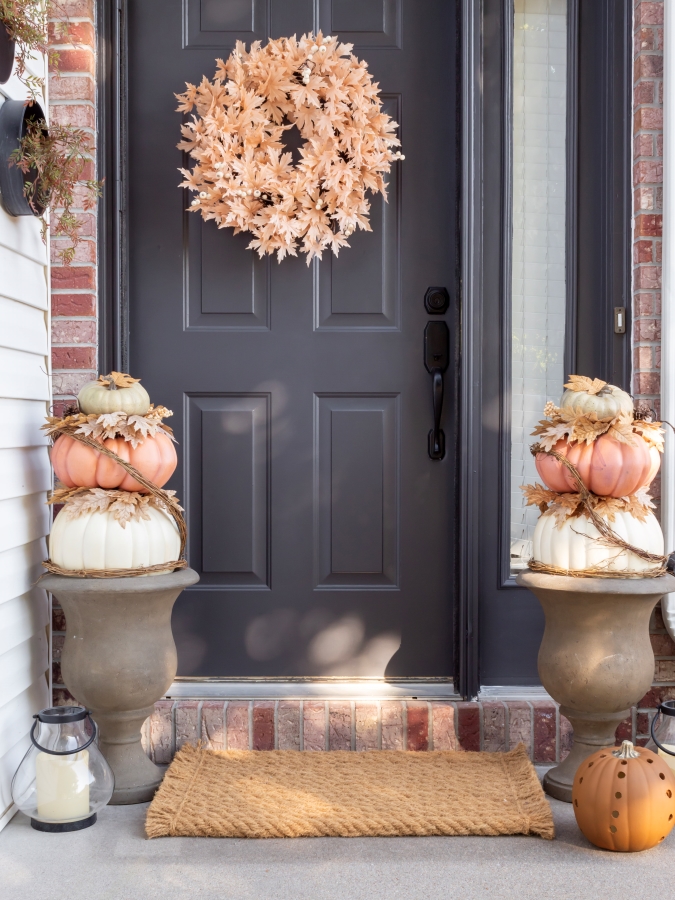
(132, 428)
(243, 178)
(126, 506)
(565, 506)
(566, 425)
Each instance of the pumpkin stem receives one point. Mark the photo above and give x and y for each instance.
(626, 751)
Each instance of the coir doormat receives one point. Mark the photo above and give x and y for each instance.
(286, 793)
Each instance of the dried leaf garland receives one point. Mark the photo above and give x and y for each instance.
(562, 424)
(565, 506)
(119, 379)
(133, 428)
(584, 383)
(126, 506)
(244, 180)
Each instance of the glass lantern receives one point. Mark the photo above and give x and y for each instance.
(663, 732)
(64, 779)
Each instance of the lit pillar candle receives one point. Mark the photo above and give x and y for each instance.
(62, 785)
(668, 758)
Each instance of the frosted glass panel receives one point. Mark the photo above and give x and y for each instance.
(538, 240)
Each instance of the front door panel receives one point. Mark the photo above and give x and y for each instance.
(322, 530)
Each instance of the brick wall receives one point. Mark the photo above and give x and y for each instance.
(72, 100)
(489, 725)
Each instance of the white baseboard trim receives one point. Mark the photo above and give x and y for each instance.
(8, 814)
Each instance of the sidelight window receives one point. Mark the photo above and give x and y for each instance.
(538, 289)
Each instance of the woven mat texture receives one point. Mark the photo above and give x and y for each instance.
(286, 793)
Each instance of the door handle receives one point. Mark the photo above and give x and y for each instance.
(436, 361)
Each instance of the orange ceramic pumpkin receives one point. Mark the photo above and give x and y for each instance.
(624, 799)
(607, 467)
(78, 465)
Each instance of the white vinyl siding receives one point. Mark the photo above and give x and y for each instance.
(26, 476)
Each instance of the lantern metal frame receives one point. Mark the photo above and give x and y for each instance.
(667, 708)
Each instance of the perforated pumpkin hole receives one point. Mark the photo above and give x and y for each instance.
(624, 762)
(612, 828)
(662, 776)
(621, 775)
(618, 795)
(581, 779)
(669, 793)
(650, 761)
(662, 838)
(576, 803)
(589, 765)
(670, 817)
(615, 813)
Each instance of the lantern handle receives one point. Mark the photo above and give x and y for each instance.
(64, 752)
(651, 729)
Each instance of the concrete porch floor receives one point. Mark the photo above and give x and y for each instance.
(114, 861)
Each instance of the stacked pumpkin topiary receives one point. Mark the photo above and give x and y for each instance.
(597, 459)
(115, 517)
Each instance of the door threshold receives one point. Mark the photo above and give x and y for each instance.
(531, 692)
(311, 689)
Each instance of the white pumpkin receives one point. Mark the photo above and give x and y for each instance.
(97, 540)
(120, 394)
(608, 402)
(570, 545)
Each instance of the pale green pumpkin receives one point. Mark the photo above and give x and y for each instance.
(116, 392)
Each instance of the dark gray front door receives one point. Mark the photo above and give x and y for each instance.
(322, 530)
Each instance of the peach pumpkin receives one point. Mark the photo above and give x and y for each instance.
(78, 465)
(607, 468)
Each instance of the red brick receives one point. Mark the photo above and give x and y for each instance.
(643, 252)
(236, 722)
(187, 722)
(58, 618)
(662, 645)
(81, 60)
(160, 736)
(79, 115)
(658, 250)
(443, 725)
(643, 199)
(655, 695)
(392, 725)
(288, 725)
(85, 251)
(648, 118)
(339, 726)
(642, 358)
(494, 727)
(73, 357)
(649, 225)
(75, 87)
(648, 171)
(664, 670)
(658, 33)
(314, 721)
(73, 278)
(644, 40)
(73, 304)
(649, 13)
(647, 384)
(57, 646)
(69, 384)
(624, 731)
(213, 725)
(648, 66)
(62, 697)
(643, 304)
(643, 145)
(544, 731)
(520, 724)
(418, 727)
(643, 92)
(659, 145)
(72, 33)
(468, 726)
(57, 676)
(643, 723)
(69, 331)
(263, 725)
(566, 737)
(366, 726)
(647, 329)
(647, 278)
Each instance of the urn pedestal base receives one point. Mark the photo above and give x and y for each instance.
(595, 658)
(118, 658)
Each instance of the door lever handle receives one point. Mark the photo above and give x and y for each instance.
(436, 361)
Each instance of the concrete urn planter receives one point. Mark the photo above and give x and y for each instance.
(119, 657)
(595, 658)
